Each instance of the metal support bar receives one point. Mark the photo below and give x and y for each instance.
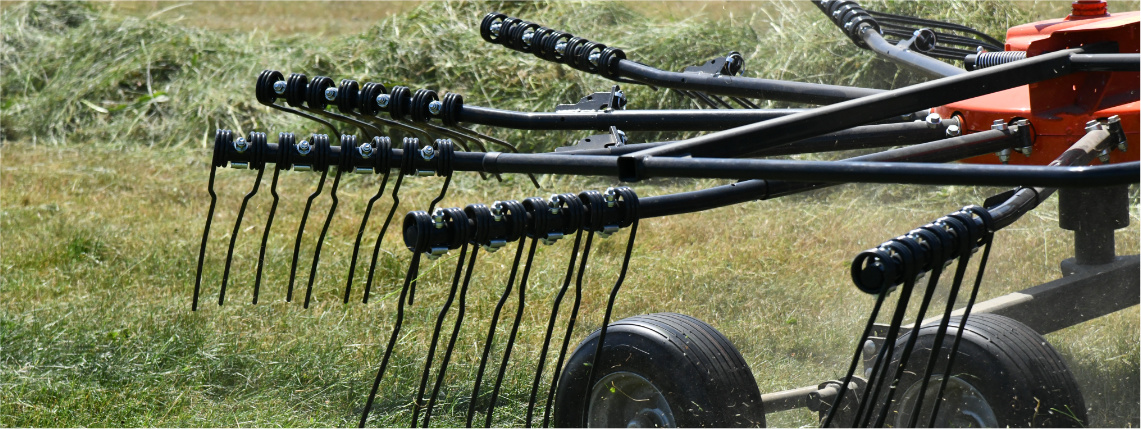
(905, 57)
(847, 114)
(798, 92)
(627, 120)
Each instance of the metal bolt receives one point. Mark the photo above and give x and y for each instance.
(382, 100)
(953, 131)
(528, 36)
(497, 211)
(561, 48)
(869, 348)
(1093, 125)
(611, 197)
(239, 165)
(436, 252)
(607, 231)
(553, 203)
(279, 87)
(427, 152)
(435, 107)
(303, 147)
(933, 120)
(1004, 156)
(848, 27)
(621, 104)
(241, 144)
(494, 244)
(593, 57)
(331, 93)
(495, 27)
(998, 124)
(365, 150)
(438, 218)
(836, 13)
(1104, 156)
(979, 50)
(1027, 150)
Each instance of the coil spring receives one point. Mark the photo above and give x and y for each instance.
(450, 111)
(421, 100)
(366, 100)
(315, 93)
(485, 26)
(295, 90)
(264, 89)
(399, 105)
(991, 59)
(347, 95)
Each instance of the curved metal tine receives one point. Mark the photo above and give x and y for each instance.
(705, 97)
(719, 100)
(301, 231)
(962, 326)
(514, 331)
(361, 125)
(855, 361)
(431, 208)
(932, 282)
(499, 142)
(491, 331)
(879, 370)
(265, 234)
(436, 336)
(234, 235)
(455, 334)
(551, 328)
(360, 233)
(324, 230)
(413, 269)
(570, 328)
(610, 302)
(374, 120)
(380, 236)
(744, 102)
(205, 236)
(700, 104)
(306, 116)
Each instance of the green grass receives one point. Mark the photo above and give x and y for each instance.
(101, 217)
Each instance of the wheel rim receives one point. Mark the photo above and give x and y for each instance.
(963, 405)
(626, 399)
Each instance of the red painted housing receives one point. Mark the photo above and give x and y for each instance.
(1058, 109)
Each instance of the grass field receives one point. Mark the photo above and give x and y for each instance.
(101, 216)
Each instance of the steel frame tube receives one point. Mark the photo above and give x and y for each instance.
(860, 111)
(626, 120)
(736, 86)
(1107, 62)
(905, 57)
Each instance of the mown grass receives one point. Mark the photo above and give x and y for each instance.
(101, 214)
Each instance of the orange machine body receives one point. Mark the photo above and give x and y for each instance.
(1058, 109)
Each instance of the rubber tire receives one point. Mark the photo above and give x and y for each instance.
(1021, 377)
(701, 375)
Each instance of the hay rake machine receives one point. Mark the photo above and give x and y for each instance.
(1031, 113)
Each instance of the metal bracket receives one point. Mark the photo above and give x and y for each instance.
(613, 100)
(598, 141)
(728, 65)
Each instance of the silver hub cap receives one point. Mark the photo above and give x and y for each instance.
(963, 405)
(626, 399)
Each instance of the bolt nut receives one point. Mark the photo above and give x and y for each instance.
(933, 120)
(621, 137)
(1104, 156)
(1027, 150)
(497, 211)
(303, 147)
(998, 124)
(1093, 125)
(365, 150)
(427, 152)
(1004, 156)
(528, 37)
(279, 87)
(953, 131)
(553, 203)
(611, 197)
(561, 48)
(382, 100)
(435, 107)
(438, 218)
(331, 93)
(593, 57)
(495, 27)
(869, 348)
(241, 144)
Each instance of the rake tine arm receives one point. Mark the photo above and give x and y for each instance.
(439, 324)
(344, 162)
(222, 138)
(380, 150)
(234, 235)
(315, 154)
(283, 140)
(460, 310)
